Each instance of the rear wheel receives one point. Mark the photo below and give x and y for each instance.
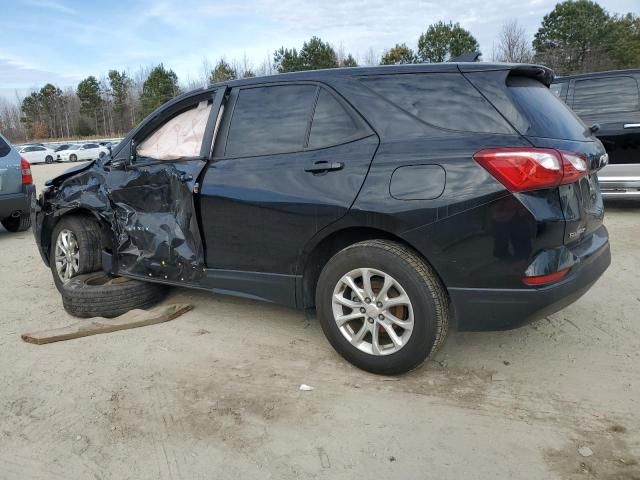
(17, 224)
(382, 307)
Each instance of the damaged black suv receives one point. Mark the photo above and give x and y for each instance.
(395, 200)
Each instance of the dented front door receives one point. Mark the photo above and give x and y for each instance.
(155, 222)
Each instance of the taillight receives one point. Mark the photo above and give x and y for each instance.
(27, 178)
(545, 279)
(522, 169)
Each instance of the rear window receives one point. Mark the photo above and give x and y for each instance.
(443, 100)
(545, 114)
(4, 148)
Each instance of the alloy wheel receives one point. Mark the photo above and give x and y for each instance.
(373, 311)
(67, 255)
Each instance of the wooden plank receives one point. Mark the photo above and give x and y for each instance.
(96, 325)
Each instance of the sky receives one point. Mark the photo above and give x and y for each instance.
(64, 41)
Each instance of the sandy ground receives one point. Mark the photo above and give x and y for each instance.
(215, 393)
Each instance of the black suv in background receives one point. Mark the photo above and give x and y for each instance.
(610, 100)
(394, 200)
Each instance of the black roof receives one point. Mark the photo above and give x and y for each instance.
(607, 73)
(545, 73)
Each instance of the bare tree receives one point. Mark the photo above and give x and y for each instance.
(513, 44)
(371, 58)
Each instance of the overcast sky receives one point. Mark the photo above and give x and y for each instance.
(63, 41)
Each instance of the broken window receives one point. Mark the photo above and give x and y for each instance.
(179, 138)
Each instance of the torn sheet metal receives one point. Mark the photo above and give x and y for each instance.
(150, 210)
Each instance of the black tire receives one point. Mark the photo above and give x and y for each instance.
(100, 295)
(88, 234)
(48, 159)
(423, 287)
(73, 157)
(17, 224)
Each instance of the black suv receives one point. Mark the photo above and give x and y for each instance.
(610, 100)
(395, 200)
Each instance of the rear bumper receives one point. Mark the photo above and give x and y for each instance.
(17, 202)
(479, 309)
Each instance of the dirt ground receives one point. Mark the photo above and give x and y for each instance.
(215, 393)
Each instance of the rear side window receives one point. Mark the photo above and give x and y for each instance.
(332, 124)
(4, 148)
(545, 114)
(605, 95)
(443, 100)
(270, 120)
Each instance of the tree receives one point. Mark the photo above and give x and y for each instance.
(88, 92)
(442, 41)
(397, 55)
(349, 61)
(623, 41)
(120, 83)
(161, 85)
(285, 60)
(222, 72)
(314, 54)
(513, 46)
(572, 38)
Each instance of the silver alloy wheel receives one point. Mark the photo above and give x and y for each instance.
(67, 255)
(373, 311)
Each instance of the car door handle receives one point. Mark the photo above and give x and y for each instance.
(632, 125)
(324, 166)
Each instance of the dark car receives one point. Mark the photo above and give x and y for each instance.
(611, 101)
(16, 189)
(395, 200)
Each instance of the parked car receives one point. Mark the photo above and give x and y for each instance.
(81, 152)
(64, 146)
(37, 153)
(394, 200)
(610, 101)
(16, 189)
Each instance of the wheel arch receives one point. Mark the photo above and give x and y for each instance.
(313, 263)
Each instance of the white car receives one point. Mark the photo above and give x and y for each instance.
(80, 152)
(37, 154)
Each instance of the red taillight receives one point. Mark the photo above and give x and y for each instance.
(27, 178)
(522, 169)
(544, 279)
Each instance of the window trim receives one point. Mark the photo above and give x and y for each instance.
(635, 108)
(364, 131)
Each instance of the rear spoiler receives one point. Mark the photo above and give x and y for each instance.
(539, 72)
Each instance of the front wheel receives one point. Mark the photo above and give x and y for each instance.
(48, 159)
(73, 157)
(382, 307)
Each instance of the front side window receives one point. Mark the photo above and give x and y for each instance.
(269, 120)
(605, 95)
(180, 137)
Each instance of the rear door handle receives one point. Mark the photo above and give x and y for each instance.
(324, 166)
(632, 125)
